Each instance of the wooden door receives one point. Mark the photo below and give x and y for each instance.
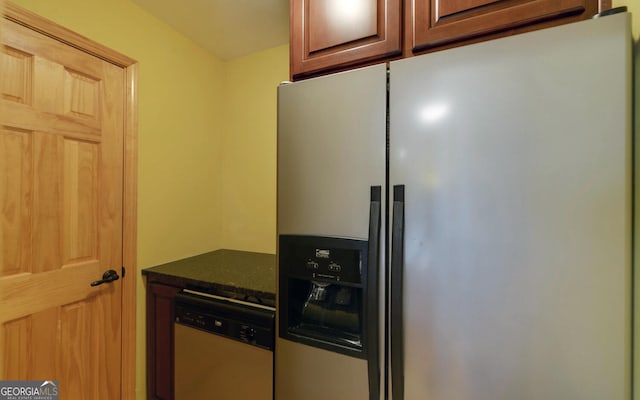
(61, 207)
(432, 23)
(331, 34)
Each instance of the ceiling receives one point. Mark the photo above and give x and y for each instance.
(227, 28)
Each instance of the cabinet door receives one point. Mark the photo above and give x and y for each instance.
(440, 22)
(331, 34)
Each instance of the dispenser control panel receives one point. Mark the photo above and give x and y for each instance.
(332, 264)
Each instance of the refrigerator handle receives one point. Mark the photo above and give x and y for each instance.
(373, 272)
(397, 267)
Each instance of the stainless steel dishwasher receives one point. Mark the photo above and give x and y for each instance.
(223, 348)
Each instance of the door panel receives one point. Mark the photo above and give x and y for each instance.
(334, 22)
(330, 34)
(16, 167)
(447, 8)
(61, 166)
(436, 22)
(516, 160)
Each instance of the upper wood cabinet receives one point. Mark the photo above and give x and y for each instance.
(330, 34)
(434, 23)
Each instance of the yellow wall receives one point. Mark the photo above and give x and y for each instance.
(634, 8)
(249, 149)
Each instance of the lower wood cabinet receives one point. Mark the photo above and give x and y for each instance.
(160, 341)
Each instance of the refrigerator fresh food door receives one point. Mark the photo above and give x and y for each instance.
(331, 173)
(515, 161)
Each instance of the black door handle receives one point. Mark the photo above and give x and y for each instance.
(109, 276)
(397, 300)
(372, 334)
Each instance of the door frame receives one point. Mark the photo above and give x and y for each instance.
(19, 15)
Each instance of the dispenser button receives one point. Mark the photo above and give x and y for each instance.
(312, 265)
(335, 267)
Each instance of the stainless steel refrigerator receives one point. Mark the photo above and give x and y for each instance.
(458, 227)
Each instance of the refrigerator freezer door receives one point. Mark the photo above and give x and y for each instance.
(331, 151)
(516, 160)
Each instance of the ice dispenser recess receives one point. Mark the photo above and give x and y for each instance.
(322, 291)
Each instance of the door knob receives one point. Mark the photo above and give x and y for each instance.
(109, 276)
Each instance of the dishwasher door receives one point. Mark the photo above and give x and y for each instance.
(228, 356)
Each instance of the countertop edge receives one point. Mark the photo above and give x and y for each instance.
(159, 277)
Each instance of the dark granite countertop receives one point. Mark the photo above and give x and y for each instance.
(230, 273)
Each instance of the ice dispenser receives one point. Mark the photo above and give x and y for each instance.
(322, 291)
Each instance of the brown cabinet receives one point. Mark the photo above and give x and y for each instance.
(331, 35)
(435, 23)
(160, 341)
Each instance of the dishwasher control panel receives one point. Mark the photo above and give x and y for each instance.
(241, 322)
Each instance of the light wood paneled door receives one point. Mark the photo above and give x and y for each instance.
(61, 208)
